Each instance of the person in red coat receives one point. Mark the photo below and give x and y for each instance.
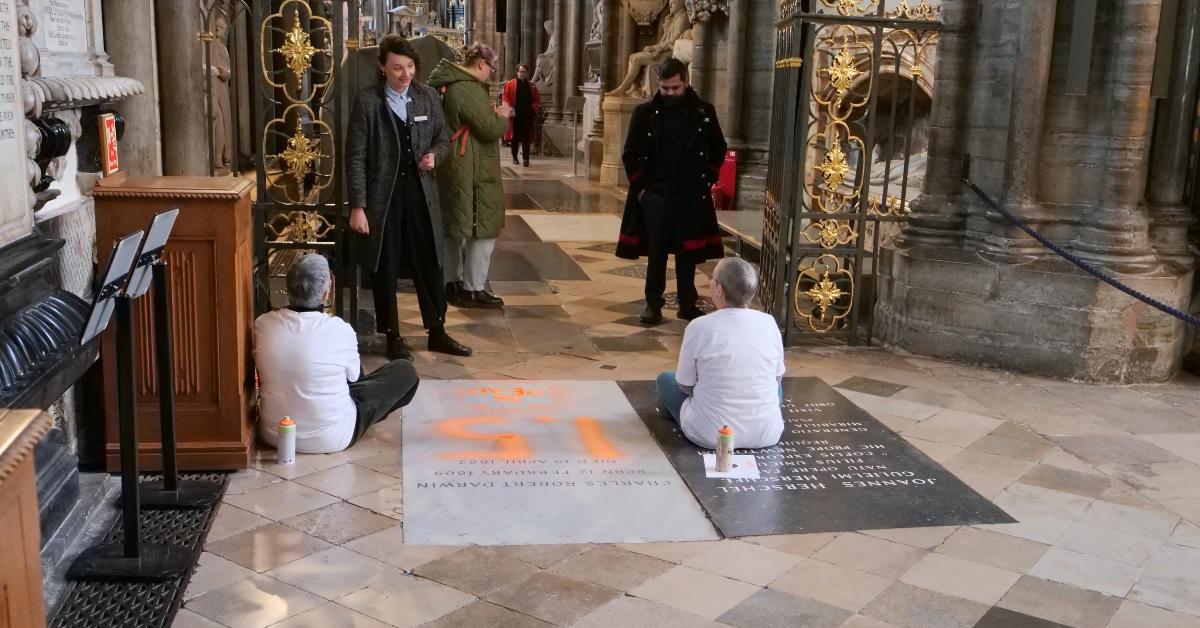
(525, 101)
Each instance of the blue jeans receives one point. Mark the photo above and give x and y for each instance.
(670, 398)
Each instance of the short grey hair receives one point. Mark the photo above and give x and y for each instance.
(307, 281)
(737, 279)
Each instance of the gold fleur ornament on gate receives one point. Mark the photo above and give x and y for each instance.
(297, 48)
(824, 293)
(300, 154)
(842, 71)
(835, 165)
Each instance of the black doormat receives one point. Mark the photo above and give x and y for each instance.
(142, 605)
(837, 469)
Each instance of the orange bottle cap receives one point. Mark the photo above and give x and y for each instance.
(286, 421)
(725, 431)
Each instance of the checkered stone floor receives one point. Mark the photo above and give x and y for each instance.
(1102, 481)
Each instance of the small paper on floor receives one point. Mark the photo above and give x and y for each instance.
(744, 466)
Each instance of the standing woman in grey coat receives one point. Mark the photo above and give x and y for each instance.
(397, 136)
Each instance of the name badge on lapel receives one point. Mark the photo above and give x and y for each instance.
(420, 118)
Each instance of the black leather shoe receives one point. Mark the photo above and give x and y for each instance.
(690, 313)
(651, 315)
(453, 292)
(515, 162)
(483, 298)
(526, 163)
(441, 342)
(397, 349)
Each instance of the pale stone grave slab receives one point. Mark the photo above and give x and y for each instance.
(538, 462)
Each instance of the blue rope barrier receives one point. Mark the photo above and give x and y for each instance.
(1070, 257)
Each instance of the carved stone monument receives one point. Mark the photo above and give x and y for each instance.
(638, 81)
(16, 219)
(222, 154)
(543, 69)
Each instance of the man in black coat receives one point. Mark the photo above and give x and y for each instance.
(672, 155)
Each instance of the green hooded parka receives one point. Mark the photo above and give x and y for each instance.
(469, 179)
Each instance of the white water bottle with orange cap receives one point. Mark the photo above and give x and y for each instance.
(285, 449)
(724, 450)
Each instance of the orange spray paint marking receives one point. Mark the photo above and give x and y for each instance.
(591, 432)
(545, 419)
(508, 446)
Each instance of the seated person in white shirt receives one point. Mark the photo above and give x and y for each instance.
(309, 370)
(730, 367)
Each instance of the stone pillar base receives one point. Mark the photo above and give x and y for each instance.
(1045, 318)
(618, 111)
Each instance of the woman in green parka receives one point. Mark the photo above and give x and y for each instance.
(469, 179)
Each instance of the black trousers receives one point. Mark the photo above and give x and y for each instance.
(522, 132)
(387, 389)
(411, 250)
(659, 216)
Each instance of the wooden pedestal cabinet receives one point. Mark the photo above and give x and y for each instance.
(21, 603)
(212, 310)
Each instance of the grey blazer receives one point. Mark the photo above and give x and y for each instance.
(373, 161)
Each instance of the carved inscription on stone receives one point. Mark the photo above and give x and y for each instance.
(64, 25)
(15, 217)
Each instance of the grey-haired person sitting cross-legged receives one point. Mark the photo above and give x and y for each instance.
(309, 369)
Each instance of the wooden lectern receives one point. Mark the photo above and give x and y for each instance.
(212, 309)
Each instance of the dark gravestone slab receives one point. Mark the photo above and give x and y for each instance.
(519, 200)
(837, 469)
(521, 256)
(517, 230)
(869, 386)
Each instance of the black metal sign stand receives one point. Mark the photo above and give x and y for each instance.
(170, 493)
(129, 560)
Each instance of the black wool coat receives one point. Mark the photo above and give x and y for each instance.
(696, 235)
(373, 162)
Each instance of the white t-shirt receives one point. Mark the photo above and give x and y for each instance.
(305, 361)
(732, 358)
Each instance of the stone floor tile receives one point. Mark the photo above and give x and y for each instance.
(988, 474)
(921, 538)
(189, 619)
(231, 520)
(247, 480)
(1177, 560)
(281, 500)
(1137, 521)
(1120, 547)
(486, 614)
(1066, 480)
(744, 561)
(870, 386)
(544, 556)
(1136, 615)
(1012, 448)
(992, 548)
(913, 607)
(938, 452)
(267, 547)
(670, 552)
(798, 544)
(331, 615)
(1114, 450)
(388, 501)
(553, 598)
(1047, 501)
(476, 570)
(388, 547)
(213, 572)
(1063, 460)
(862, 621)
(954, 428)
(1186, 446)
(264, 460)
(254, 602)
(896, 407)
(1060, 603)
(1187, 534)
(961, 578)
(997, 617)
(869, 554)
(390, 463)
(347, 481)
(406, 601)
(776, 609)
(832, 584)
(634, 611)
(1016, 431)
(698, 592)
(334, 572)
(339, 523)
(612, 567)
(1096, 574)
(895, 423)
(1169, 591)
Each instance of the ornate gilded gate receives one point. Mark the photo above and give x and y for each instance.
(852, 96)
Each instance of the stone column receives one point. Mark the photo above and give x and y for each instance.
(558, 14)
(735, 81)
(610, 36)
(512, 37)
(1172, 130)
(539, 33)
(529, 28)
(1115, 233)
(181, 58)
(699, 72)
(131, 47)
(572, 52)
(628, 45)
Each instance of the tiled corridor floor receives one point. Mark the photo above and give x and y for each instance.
(1104, 481)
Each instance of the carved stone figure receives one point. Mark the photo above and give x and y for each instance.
(543, 69)
(703, 10)
(644, 11)
(676, 27)
(221, 107)
(595, 33)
